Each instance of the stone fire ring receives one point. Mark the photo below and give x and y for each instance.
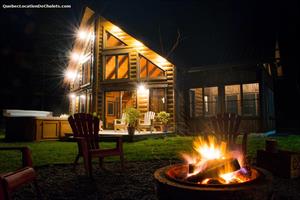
(168, 189)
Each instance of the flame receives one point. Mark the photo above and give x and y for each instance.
(206, 150)
(209, 149)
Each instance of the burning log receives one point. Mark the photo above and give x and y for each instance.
(214, 167)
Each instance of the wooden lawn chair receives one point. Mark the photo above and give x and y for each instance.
(85, 130)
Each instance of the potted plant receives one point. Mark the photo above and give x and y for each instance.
(132, 115)
(164, 118)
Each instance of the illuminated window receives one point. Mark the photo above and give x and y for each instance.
(203, 101)
(157, 100)
(210, 101)
(112, 41)
(250, 99)
(148, 70)
(233, 99)
(116, 67)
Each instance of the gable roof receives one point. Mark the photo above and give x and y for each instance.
(138, 45)
(87, 23)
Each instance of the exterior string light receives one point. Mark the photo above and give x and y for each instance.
(70, 75)
(75, 56)
(82, 35)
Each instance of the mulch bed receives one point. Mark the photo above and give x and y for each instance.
(134, 183)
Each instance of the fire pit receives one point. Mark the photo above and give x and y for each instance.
(212, 172)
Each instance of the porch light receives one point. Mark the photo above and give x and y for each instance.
(70, 75)
(72, 96)
(142, 90)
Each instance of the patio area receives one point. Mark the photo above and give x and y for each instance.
(137, 135)
(136, 182)
(122, 132)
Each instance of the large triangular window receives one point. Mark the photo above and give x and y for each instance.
(148, 70)
(112, 41)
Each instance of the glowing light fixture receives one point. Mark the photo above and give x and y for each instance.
(82, 35)
(71, 75)
(82, 96)
(75, 56)
(142, 90)
(72, 96)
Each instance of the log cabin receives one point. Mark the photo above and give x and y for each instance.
(110, 70)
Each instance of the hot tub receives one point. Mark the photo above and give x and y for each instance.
(34, 125)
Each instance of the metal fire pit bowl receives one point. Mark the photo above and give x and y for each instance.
(169, 186)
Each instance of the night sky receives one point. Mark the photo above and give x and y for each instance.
(35, 43)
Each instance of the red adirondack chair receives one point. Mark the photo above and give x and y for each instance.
(226, 127)
(85, 129)
(11, 181)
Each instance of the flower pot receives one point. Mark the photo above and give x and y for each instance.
(165, 128)
(131, 130)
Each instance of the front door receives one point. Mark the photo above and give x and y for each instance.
(115, 104)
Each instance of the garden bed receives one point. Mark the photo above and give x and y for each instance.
(135, 182)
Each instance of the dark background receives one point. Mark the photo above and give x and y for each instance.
(35, 43)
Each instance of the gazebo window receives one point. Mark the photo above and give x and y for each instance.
(203, 101)
(233, 99)
(250, 99)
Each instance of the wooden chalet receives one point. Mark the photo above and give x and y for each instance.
(110, 70)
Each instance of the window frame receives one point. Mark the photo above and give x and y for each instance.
(164, 77)
(165, 97)
(205, 104)
(116, 67)
(256, 100)
(116, 47)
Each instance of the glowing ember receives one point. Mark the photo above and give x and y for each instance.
(212, 163)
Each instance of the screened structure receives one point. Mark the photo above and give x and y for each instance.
(244, 89)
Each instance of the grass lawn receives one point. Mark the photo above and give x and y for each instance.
(51, 152)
